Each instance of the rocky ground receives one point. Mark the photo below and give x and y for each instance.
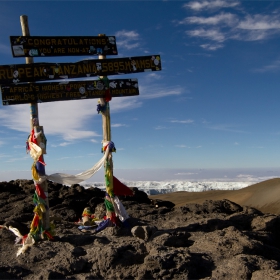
(213, 240)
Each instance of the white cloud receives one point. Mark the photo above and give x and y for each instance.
(14, 159)
(64, 119)
(64, 144)
(118, 104)
(154, 76)
(184, 121)
(4, 156)
(257, 27)
(18, 147)
(211, 34)
(259, 22)
(255, 35)
(273, 66)
(118, 125)
(203, 5)
(229, 26)
(152, 92)
(187, 173)
(62, 158)
(244, 176)
(132, 35)
(225, 18)
(181, 146)
(212, 47)
(127, 39)
(68, 120)
(159, 127)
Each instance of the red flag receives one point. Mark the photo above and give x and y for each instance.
(40, 191)
(121, 189)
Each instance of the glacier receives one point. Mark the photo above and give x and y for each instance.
(163, 187)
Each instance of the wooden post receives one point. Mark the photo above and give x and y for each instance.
(106, 125)
(35, 115)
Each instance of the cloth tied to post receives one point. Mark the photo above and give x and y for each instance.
(67, 179)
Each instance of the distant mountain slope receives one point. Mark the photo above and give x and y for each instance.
(264, 196)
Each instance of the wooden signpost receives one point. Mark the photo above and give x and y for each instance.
(33, 46)
(24, 73)
(46, 82)
(62, 91)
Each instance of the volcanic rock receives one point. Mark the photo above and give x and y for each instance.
(217, 239)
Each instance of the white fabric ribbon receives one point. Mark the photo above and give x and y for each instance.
(35, 151)
(67, 179)
(119, 209)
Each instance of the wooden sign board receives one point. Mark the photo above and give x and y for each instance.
(23, 73)
(61, 91)
(34, 46)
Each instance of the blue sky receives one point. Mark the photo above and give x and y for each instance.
(214, 105)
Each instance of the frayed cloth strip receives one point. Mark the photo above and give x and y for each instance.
(66, 179)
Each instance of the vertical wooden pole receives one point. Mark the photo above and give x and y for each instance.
(29, 60)
(35, 115)
(106, 124)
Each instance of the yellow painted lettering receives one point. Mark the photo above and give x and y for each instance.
(21, 72)
(137, 64)
(36, 72)
(28, 73)
(111, 66)
(105, 67)
(66, 69)
(80, 69)
(142, 64)
(73, 70)
(9, 74)
(86, 68)
(149, 63)
(116, 66)
(127, 65)
(2, 74)
(42, 72)
(121, 65)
